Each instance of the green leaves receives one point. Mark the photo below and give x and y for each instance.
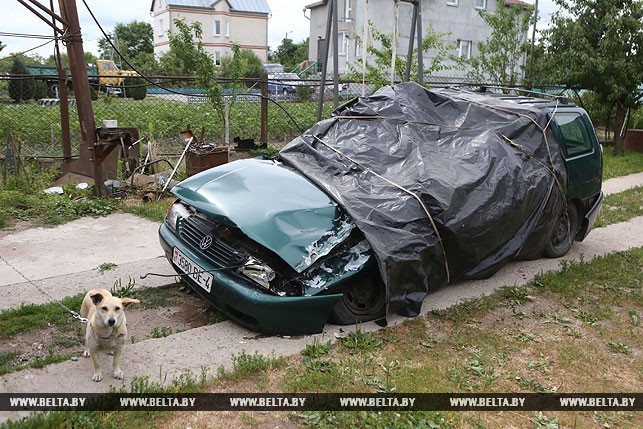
(499, 56)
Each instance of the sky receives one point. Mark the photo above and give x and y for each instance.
(287, 19)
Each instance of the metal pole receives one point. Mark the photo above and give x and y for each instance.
(322, 88)
(169, 179)
(533, 41)
(65, 133)
(409, 55)
(394, 40)
(335, 56)
(80, 82)
(418, 13)
(264, 108)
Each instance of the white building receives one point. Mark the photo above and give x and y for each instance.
(459, 18)
(224, 23)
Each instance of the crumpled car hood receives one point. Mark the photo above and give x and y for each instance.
(273, 205)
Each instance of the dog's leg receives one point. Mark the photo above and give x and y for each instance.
(116, 364)
(98, 369)
(86, 352)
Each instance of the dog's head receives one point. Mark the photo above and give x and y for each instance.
(109, 309)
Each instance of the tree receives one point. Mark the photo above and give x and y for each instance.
(133, 40)
(187, 47)
(499, 56)
(51, 60)
(248, 63)
(291, 54)
(598, 45)
(20, 89)
(378, 72)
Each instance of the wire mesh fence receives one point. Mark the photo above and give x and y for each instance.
(167, 109)
(290, 106)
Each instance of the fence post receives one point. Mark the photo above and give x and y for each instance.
(264, 108)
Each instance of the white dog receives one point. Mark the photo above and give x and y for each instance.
(105, 330)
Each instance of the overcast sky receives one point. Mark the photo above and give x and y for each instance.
(287, 18)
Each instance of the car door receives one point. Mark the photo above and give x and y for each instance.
(582, 152)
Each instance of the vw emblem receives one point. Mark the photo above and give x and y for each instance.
(205, 242)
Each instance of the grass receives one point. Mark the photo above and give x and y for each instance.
(616, 166)
(152, 210)
(516, 340)
(33, 318)
(621, 207)
(161, 119)
(22, 198)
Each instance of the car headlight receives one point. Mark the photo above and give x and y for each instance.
(175, 212)
(258, 271)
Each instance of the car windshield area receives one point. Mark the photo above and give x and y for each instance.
(286, 76)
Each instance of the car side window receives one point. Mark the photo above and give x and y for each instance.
(574, 133)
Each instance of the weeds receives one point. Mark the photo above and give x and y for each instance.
(161, 331)
(244, 364)
(619, 348)
(358, 341)
(316, 349)
(124, 291)
(107, 266)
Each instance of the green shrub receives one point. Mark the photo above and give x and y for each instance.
(20, 89)
(304, 93)
(636, 120)
(136, 88)
(39, 90)
(93, 93)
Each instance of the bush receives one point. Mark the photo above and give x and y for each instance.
(20, 89)
(39, 90)
(93, 93)
(636, 121)
(136, 88)
(304, 93)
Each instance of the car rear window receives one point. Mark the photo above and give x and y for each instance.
(574, 133)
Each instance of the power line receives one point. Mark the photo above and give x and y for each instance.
(27, 36)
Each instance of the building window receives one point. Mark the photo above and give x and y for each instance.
(452, 2)
(217, 58)
(341, 43)
(347, 10)
(464, 48)
(227, 29)
(481, 4)
(217, 27)
(161, 27)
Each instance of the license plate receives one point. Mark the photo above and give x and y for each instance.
(192, 269)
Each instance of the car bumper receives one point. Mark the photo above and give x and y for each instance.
(590, 218)
(249, 306)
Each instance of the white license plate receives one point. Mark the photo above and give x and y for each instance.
(192, 269)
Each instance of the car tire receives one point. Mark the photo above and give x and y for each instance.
(564, 233)
(365, 300)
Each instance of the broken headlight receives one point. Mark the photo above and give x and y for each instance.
(258, 271)
(175, 212)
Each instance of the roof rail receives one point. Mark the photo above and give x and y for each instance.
(560, 98)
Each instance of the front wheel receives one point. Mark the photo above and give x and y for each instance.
(564, 234)
(363, 301)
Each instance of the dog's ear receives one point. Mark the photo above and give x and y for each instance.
(126, 301)
(96, 297)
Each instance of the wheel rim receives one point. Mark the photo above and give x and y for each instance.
(364, 299)
(561, 235)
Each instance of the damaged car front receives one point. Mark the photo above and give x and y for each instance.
(271, 250)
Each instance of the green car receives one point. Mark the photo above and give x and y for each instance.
(364, 215)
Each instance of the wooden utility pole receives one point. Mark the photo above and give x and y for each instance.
(66, 26)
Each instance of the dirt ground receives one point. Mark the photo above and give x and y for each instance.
(143, 323)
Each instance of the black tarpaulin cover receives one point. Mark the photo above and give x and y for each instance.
(492, 183)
